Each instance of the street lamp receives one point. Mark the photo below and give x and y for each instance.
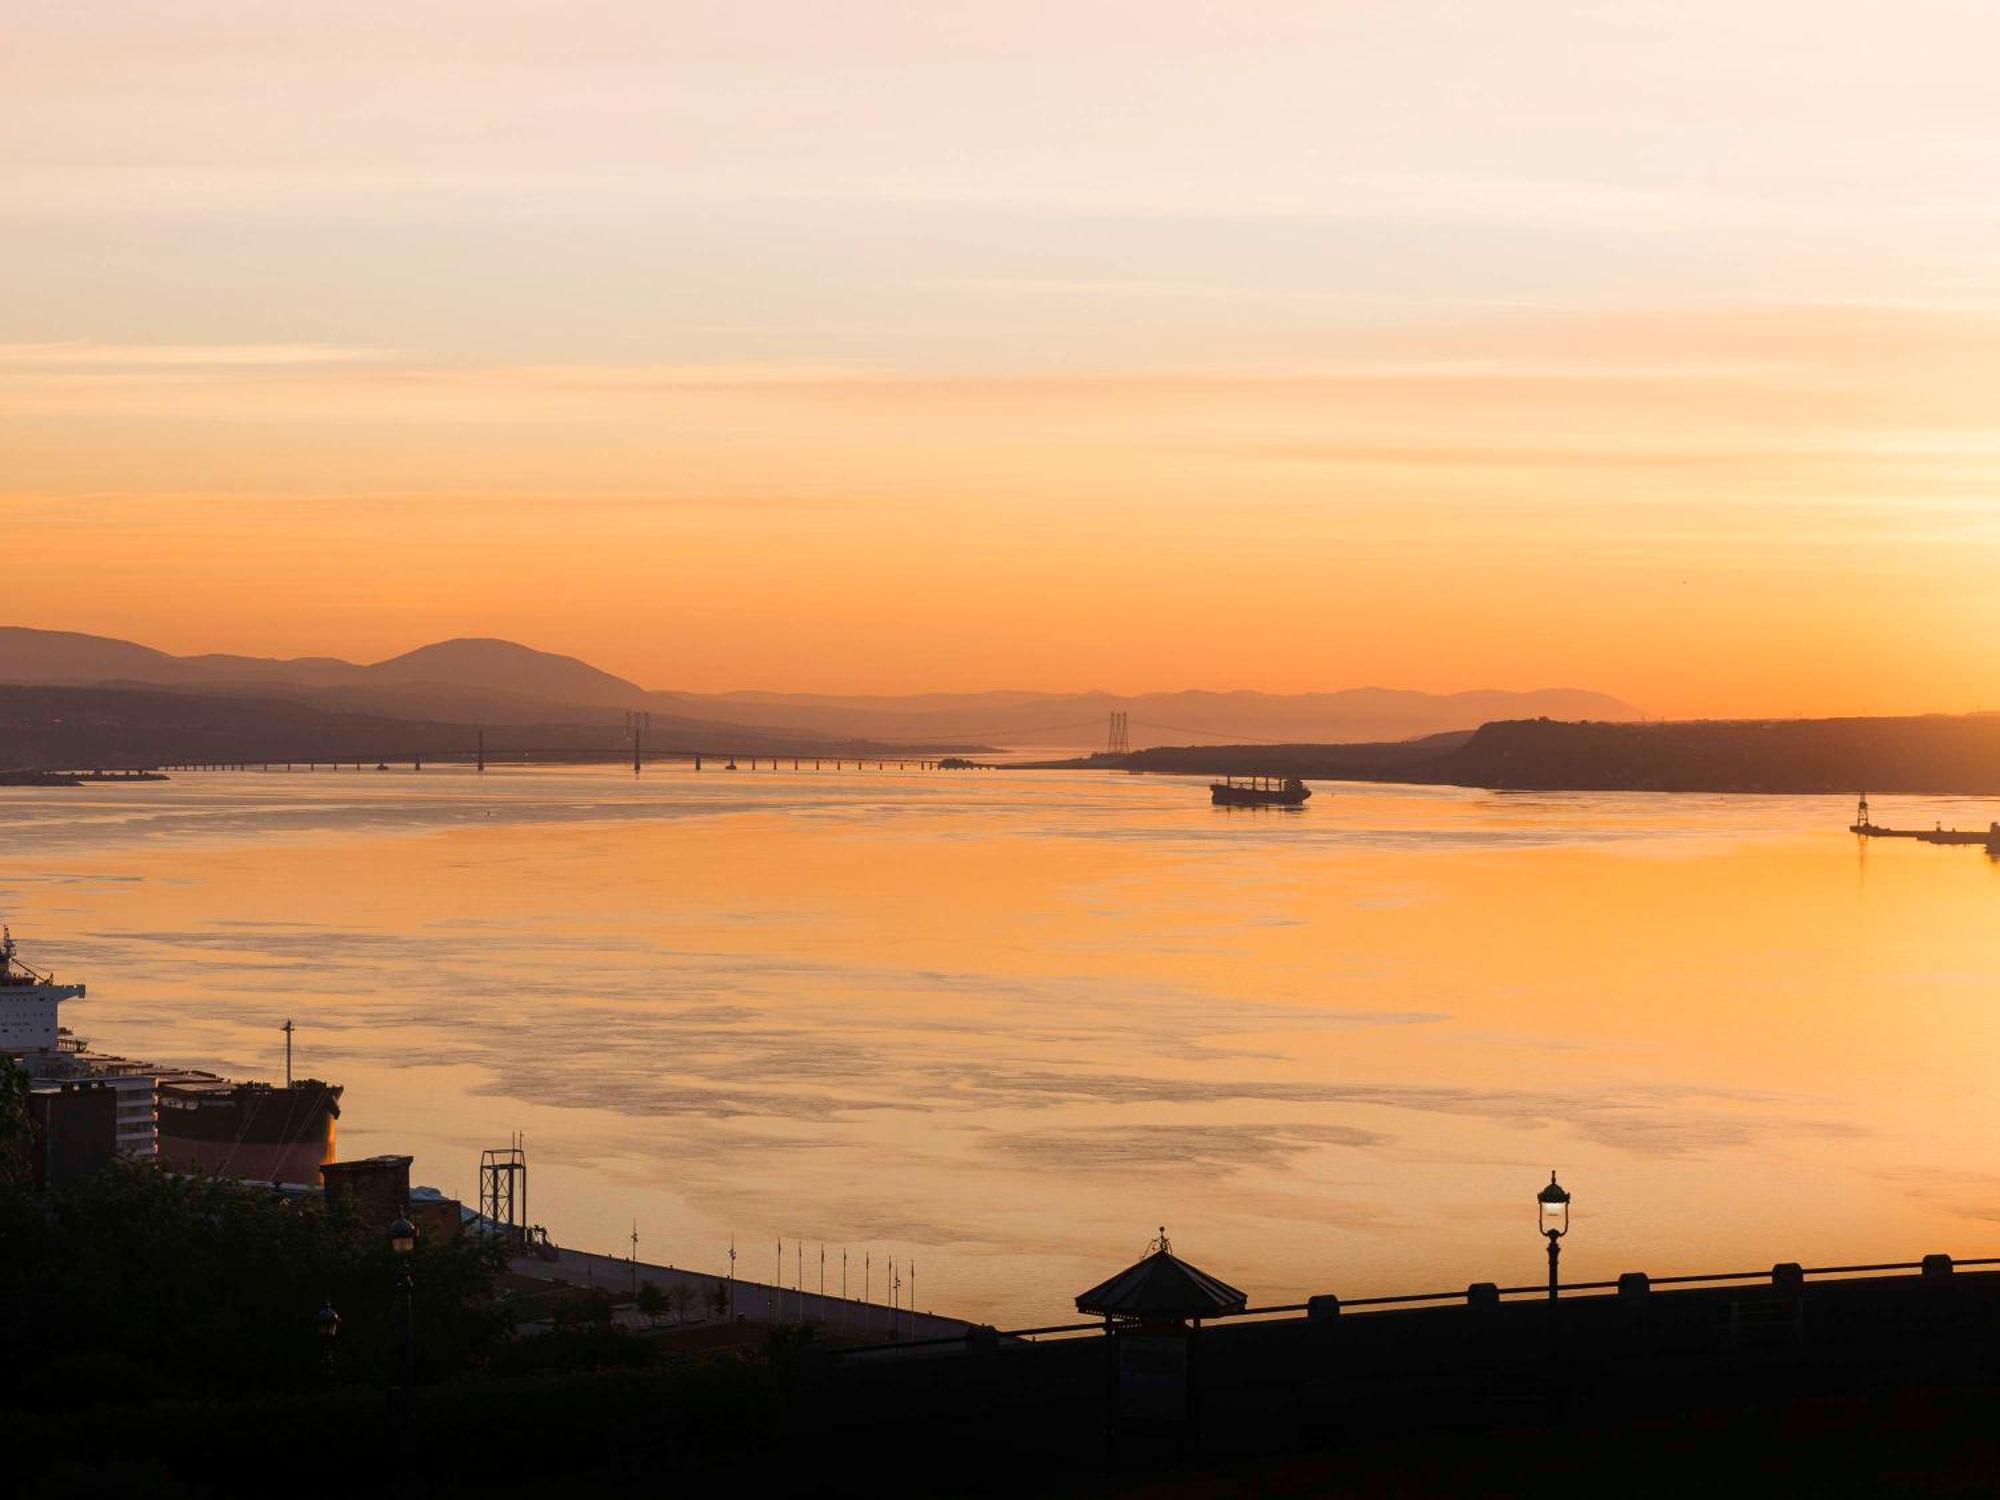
(403, 1244)
(327, 1321)
(1552, 1214)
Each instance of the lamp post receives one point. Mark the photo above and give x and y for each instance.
(1552, 1214)
(327, 1321)
(403, 1244)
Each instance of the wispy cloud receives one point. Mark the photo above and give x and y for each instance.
(644, 377)
(1204, 1147)
(79, 354)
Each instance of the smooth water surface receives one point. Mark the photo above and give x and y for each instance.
(1005, 1024)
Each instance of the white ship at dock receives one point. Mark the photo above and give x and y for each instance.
(31, 1030)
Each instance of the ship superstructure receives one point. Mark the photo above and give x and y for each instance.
(29, 1000)
(32, 1032)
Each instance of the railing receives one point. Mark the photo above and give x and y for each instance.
(1782, 1274)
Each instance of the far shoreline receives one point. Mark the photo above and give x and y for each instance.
(1930, 756)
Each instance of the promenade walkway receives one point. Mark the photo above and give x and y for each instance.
(753, 1300)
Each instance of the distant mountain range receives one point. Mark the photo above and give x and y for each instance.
(485, 681)
(74, 700)
(521, 681)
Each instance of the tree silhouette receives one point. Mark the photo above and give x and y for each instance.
(651, 1301)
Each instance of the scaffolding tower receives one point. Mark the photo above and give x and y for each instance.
(503, 1191)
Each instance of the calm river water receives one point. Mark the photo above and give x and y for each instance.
(1006, 1024)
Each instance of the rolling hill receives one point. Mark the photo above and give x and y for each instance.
(65, 658)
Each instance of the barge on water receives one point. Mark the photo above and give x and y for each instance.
(1867, 828)
(1259, 791)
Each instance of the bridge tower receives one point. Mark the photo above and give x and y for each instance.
(1120, 740)
(637, 722)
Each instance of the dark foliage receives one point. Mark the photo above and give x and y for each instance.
(545, 1435)
(15, 1158)
(135, 1283)
(575, 1349)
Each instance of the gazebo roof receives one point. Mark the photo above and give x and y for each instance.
(1162, 1285)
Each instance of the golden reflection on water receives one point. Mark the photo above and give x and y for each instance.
(1006, 1024)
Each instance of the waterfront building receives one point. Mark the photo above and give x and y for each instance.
(73, 1131)
(374, 1189)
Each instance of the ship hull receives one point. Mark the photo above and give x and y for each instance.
(250, 1131)
(1241, 796)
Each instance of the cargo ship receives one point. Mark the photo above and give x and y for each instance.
(1259, 791)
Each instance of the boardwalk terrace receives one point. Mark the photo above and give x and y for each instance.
(1327, 1378)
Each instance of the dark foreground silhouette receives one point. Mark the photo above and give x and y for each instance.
(1859, 1387)
(163, 1337)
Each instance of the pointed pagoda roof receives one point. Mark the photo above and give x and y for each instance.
(1162, 1285)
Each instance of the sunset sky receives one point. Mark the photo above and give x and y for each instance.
(1645, 347)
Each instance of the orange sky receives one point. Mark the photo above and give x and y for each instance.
(974, 345)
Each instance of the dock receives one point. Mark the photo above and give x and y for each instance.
(1865, 826)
